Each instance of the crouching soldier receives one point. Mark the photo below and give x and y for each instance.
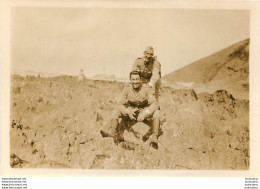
(136, 103)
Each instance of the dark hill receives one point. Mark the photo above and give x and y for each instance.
(227, 69)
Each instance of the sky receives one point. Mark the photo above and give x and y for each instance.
(107, 41)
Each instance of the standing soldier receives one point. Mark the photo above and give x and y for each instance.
(135, 104)
(150, 69)
(81, 76)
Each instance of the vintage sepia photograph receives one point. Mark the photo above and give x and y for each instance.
(129, 88)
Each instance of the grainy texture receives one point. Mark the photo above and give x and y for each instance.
(56, 122)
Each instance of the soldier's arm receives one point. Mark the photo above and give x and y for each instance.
(122, 99)
(153, 104)
(156, 72)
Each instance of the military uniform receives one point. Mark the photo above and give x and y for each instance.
(150, 72)
(141, 100)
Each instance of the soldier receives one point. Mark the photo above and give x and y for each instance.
(81, 76)
(150, 69)
(135, 104)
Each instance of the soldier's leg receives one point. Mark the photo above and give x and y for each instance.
(157, 89)
(117, 129)
(156, 126)
(114, 122)
(148, 122)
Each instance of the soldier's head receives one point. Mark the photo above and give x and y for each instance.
(135, 79)
(148, 53)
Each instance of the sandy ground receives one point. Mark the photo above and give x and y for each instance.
(56, 123)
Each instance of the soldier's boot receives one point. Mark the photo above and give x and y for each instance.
(111, 131)
(114, 127)
(117, 135)
(154, 138)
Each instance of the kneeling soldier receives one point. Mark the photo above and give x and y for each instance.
(136, 103)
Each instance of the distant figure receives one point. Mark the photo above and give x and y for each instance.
(135, 104)
(150, 69)
(81, 76)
